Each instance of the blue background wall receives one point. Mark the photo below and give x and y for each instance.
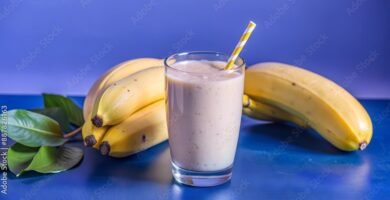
(63, 46)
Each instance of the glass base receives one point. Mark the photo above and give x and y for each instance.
(201, 178)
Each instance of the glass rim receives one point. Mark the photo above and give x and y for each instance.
(238, 67)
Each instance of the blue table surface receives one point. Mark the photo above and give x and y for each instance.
(271, 163)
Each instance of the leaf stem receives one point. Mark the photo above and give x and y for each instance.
(73, 133)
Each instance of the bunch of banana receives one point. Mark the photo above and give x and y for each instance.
(281, 92)
(123, 98)
(115, 74)
(117, 104)
(142, 130)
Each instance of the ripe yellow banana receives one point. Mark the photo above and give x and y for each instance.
(123, 98)
(143, 129)
(92, 136)
(257, 115)
(324, 105)
(116, 73)
(264, 111)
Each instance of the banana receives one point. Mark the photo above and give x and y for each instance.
(145, 128)
(92, 135)
(123, 98)
(263, 111)
(257, 115)
(116, 73)
(325, 106)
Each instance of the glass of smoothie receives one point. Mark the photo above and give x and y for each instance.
(204, 105)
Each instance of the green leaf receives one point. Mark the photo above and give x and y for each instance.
(20, 157)
(44, 159)
(74, 113)
(33, 129)
(54, 160)
(57, 114)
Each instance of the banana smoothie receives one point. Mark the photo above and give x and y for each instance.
(204, 105)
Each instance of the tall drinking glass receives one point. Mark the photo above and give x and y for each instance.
(204, 105)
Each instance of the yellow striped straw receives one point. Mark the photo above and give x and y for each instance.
(244, 38)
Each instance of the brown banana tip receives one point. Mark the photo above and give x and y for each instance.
(362, 146)
(89, 141)
(105, 148)
(97, 121)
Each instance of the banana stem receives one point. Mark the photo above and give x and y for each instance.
(72, 133)
(362, 146)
